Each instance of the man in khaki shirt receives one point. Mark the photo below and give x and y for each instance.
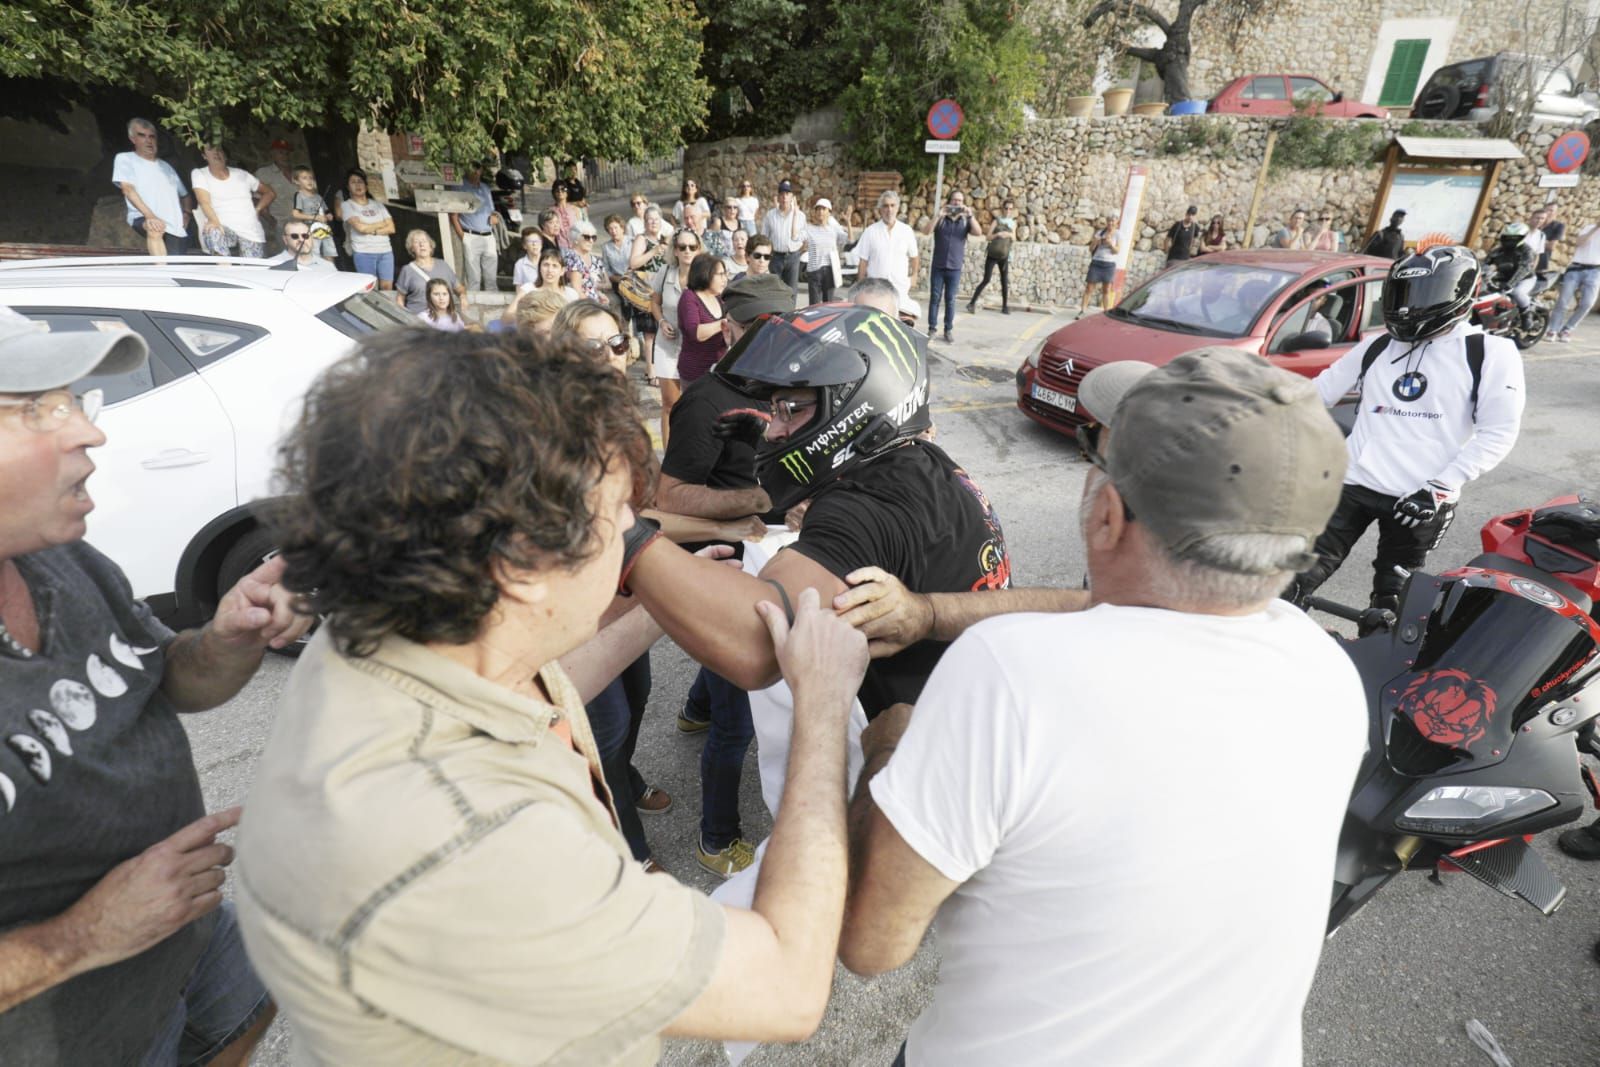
(429, 865)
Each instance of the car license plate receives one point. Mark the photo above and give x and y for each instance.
(1055, 399)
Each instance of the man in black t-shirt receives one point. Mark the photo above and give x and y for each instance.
(848, 393)
(1183, 236)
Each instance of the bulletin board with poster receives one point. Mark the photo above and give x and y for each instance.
(1440, 205)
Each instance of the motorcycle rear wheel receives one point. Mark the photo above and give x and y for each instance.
(1538, 322)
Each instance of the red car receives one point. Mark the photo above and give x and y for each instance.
(1302, 310)
(1279, 94)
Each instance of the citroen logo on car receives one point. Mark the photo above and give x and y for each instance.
(1066, 367)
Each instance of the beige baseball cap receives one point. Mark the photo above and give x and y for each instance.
(33, 359)
(1219, 441)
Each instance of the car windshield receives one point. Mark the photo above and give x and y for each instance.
(366, 312)
(1213, 299)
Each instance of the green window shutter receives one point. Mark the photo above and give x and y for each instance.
(1405, 69)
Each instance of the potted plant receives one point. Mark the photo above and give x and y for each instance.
(1150, 108)
(1117, 100)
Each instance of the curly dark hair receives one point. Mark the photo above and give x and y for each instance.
(423, 459)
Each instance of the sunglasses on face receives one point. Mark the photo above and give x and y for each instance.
(1089, 444)
(760, 255)
(788, 409)
(617, 343)
(295, 236)
(687, 248)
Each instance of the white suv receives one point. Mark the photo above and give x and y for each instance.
(193, 437)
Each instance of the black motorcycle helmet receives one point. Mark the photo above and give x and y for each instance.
(871, 374)
(1427, 293)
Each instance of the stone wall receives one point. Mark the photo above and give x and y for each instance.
(1064, 173)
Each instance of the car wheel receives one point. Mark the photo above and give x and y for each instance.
(248, 553)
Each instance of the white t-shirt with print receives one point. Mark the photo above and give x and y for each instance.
(1103, 784)
(888, 254)
(231, 201)
(371, 213)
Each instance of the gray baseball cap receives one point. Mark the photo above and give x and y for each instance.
(33, 359)
(1219, 441)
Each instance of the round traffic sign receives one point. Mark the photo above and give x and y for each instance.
(1569, 152)
(945, 119)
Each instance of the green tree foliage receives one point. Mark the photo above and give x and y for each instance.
(767, 61)
(911, 53)
(567, 78)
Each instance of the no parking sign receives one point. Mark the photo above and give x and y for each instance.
(1568, 152)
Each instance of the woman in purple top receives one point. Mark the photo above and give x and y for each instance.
(700, 317)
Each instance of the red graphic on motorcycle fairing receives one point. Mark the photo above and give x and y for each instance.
(1449, 707)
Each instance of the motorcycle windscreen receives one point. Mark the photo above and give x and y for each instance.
(1480, 674)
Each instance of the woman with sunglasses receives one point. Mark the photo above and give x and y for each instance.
(1215, 239)
(749, 206)
(1323, 238)
(638, 203)
(672, 281)
(690, 195)
(566, 216)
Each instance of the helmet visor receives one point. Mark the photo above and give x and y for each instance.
(1414, 291)
(779, 355)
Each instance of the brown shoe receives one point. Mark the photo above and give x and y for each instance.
(654, 801)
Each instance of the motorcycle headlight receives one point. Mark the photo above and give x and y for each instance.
(1458, 809)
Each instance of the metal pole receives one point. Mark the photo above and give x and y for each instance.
(938, 190)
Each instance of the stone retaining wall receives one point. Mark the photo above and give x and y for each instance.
(1063, 173)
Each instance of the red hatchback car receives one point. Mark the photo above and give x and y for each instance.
(1279, 94)
(1302, 310)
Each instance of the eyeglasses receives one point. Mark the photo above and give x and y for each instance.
(295, 236)
(1325, 218)
(686, 248)
(788, 409)
(585, 236)
(760, 255)
(1089, 444)
(48, 412)
(617, 343)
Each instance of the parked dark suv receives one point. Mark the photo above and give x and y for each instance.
(1474, 90)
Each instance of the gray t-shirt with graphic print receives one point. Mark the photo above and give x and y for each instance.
(94, 769)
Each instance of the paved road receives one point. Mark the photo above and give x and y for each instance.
(1395, 986)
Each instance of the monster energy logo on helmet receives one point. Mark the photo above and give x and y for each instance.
(798, 466)
(889, 337)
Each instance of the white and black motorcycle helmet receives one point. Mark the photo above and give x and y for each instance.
(1427, 293)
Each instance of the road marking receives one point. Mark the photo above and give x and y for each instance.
(1025, 336)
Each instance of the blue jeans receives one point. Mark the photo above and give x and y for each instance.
(379, 264)
(614, 718)
(1582, 284)
(942, 285)
(222, 999)
(722, 760)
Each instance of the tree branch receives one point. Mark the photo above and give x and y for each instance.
(1106, 7)
(1148, 55)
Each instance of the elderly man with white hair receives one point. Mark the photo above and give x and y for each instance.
(1024, 803)
(158, 201)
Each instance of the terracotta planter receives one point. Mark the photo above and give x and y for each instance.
(1081, 107)
(1117, 101)
(1149, 110)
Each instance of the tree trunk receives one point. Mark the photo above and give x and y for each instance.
(1175, 71)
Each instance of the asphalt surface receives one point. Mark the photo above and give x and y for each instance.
(1396, 985)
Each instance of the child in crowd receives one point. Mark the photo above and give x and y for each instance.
(309, 207)
(442, 313)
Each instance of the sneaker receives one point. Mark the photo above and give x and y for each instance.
(726, 862)
(948, 339)
(652, 867)
(654, 801)
(1565, 337)
(1005, 311)
(694, 718)
(1582, 843)
(972, 307)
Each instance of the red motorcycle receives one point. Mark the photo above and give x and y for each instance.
(1478, 712)
(1497, 313)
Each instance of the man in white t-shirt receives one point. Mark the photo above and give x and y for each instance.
(158, 201)
(888, 249)
(1024, 801)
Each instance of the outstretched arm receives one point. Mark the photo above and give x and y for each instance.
(892, 617)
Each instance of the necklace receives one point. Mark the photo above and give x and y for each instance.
(9, 576)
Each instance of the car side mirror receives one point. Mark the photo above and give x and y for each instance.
(1301, 342)
(1338, 98)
